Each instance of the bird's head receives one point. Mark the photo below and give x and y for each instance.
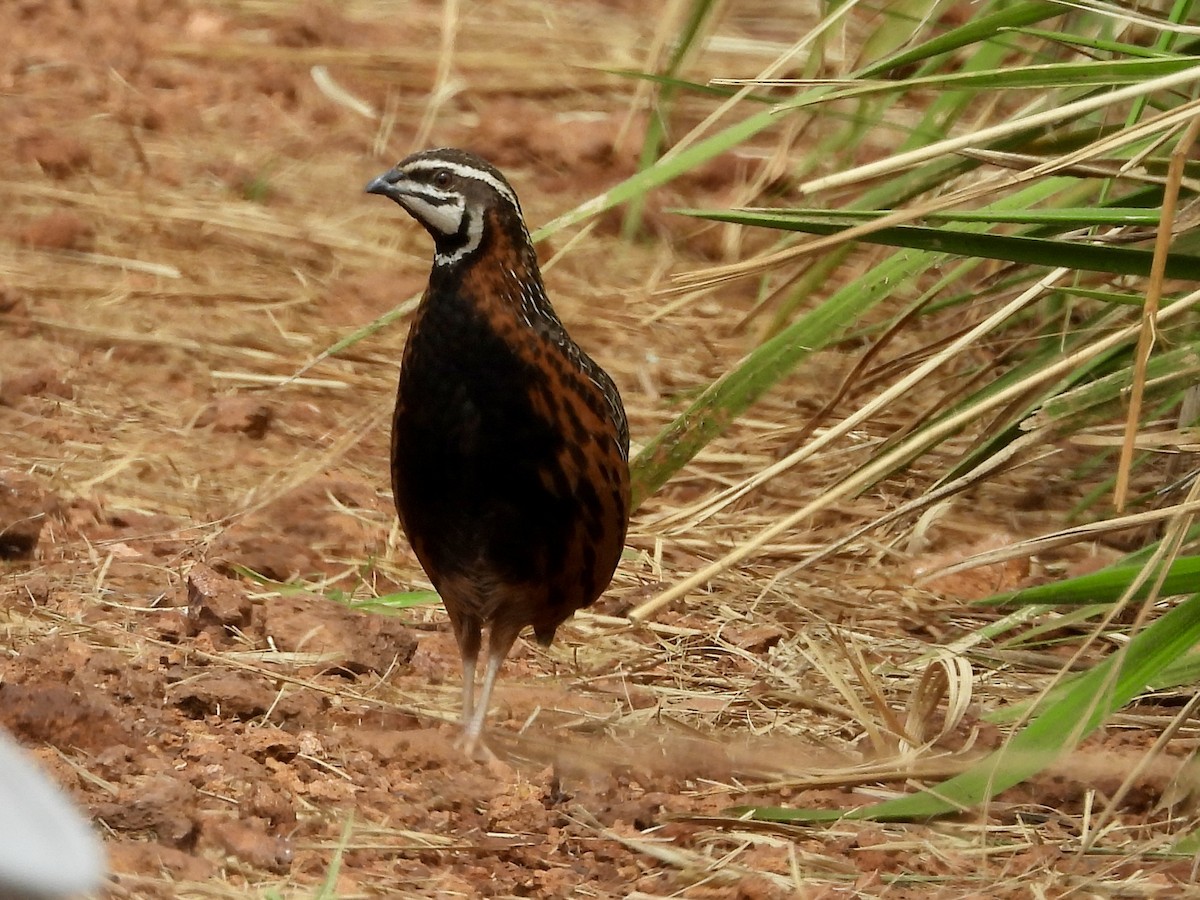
(453, 194)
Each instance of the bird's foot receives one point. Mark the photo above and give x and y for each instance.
(473, 748)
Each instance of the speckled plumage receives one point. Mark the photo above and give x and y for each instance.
(510, 445)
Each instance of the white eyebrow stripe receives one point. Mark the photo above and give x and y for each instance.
(432, 164)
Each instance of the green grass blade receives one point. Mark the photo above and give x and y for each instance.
(1167, 374)
(1184, 671)
(682, 84)
(1026, 78)
(1105, 586)
(984, 28)
(397, 601)
(1025, 250)
(1097, 45)
(384, 603)
(1063, 218)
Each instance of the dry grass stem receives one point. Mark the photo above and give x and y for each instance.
(1162, 246)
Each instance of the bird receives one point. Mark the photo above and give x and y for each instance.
(510, 445)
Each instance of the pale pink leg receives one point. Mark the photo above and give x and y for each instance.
(473, 729)
(468, 634)
(468, 689)
(500, 641)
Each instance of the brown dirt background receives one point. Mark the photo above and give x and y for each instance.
(184, 230)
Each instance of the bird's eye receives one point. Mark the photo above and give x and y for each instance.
(441, 178)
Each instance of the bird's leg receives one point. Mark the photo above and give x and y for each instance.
(473, 724)
(468, 688)
(468, 633)
(500, 641)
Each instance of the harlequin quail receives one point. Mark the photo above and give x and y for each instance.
(510, 447)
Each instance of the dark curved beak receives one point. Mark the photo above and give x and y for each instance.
(385, 185)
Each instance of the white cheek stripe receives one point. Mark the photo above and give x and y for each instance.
(474, 236)
(465, 171)
(445, 217)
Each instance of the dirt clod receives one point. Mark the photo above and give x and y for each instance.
(56, 153)
(515, 807)
(251, 844)
(62, 716)
(237, 697)
(215, 600)
(142, 857)
(160, 805)
(23, 508)
(40, 381)
(238, 414)
(355, 641)
(272, 804)
(60, 230)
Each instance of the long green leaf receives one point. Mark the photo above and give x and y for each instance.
(1029, 251)
(1118, 48)
(1067, 217)
(1029, 78)
(984, 28)
(1105, 586)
